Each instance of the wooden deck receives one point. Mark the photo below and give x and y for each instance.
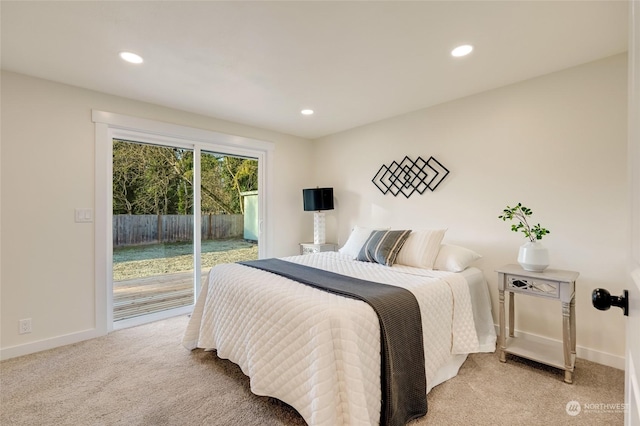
(132, 298)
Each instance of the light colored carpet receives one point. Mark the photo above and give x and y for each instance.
(143, 376)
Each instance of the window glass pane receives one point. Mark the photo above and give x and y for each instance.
(229, 200)
(152, 228)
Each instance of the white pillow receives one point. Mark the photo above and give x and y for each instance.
(454, 258)
(356, 240)
(421, 248)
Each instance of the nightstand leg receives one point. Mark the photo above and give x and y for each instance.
(568, 377)
(572, 323)
(501, 337)
(566, 342)
(512, 307)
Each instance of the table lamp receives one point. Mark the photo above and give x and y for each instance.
(316, 200)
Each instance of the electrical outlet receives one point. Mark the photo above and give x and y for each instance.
(25, 326)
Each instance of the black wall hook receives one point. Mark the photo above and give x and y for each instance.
(603, 300)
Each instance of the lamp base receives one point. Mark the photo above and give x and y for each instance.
(318, 228)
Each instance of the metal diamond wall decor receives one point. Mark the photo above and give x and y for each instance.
(410, 176)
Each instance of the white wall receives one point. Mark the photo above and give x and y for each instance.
(47, 171)
(555, 143)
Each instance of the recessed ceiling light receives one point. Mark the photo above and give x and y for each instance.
(306, 112)
(463, 50)
(131, 57)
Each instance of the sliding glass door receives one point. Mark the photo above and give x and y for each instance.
(179, 223)
(158, 260)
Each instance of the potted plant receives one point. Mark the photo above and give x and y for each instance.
(533, 256)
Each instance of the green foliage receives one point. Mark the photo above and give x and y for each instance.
(224, 178)
(520, 213)
(149, 179)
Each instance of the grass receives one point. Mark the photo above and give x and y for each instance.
(158, 259)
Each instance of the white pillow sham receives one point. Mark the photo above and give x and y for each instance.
(421, 248)
(454, 258)
(356, 240)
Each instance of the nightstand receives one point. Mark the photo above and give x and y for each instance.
(308, 248)
(552, 284)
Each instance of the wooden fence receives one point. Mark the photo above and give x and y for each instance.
(148, 229)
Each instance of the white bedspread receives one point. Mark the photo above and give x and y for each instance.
(320, 352)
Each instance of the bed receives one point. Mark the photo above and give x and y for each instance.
(320, 352)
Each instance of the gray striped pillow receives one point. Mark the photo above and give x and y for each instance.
(383, 246)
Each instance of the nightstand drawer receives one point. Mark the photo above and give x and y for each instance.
(533, 286)
(310, 248)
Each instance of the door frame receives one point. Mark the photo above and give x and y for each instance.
(109, 126)
(632, 348)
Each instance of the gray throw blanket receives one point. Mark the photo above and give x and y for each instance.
(403, 381)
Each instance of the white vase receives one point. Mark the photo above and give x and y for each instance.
(533, 256)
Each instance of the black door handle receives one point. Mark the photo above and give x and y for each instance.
(603, 300)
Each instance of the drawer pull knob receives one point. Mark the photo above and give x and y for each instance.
(603, 300)
(519, 283)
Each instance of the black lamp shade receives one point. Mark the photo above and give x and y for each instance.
(316, 199)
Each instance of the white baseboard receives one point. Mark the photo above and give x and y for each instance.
(589, 354)
(43, 345)
(54, 342)
(593, 355)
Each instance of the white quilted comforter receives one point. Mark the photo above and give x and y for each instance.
(320, 352)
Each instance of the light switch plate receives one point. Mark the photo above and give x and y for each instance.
(84, 215)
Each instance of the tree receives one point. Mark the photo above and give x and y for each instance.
(242, 176)
(149, 179)
(127, 177)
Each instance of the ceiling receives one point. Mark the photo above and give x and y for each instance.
(261, 63)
